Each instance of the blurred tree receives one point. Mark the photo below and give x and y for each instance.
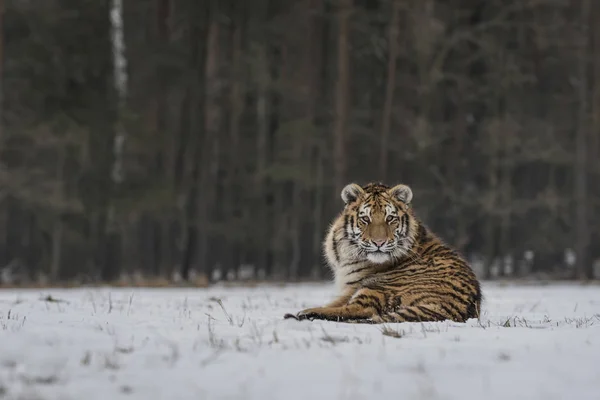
(244, 120)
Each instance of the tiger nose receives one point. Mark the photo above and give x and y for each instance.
(379, 242)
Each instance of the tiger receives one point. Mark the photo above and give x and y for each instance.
(389, 266)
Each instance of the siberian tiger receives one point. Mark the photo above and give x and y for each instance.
(389, 267)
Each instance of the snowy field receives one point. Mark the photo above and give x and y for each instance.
(533, 342)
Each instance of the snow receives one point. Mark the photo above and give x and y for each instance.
(532, 342)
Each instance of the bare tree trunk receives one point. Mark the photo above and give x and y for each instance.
(297, 215)
(582, 230)
(236, 102)
(113, 240)
(341, 94)
(1, 70)
(594, 133)
(120, 76)
(192, 124)
(261, 194)
(300, 207)
(57, 237)
(318, 231)
(163, 263)
(491, 226)
(595, 128)
(505, 218)
(315, 64)
(262, 116)
(389, 89)
(58, 226)
(211, 145)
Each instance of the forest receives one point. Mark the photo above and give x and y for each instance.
(208, 140)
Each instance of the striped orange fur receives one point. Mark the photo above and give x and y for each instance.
(389, 267)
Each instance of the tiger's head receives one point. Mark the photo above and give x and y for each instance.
(378, 222)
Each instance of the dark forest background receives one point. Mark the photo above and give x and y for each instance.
(161, 140)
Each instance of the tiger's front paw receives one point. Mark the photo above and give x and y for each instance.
(309, 314)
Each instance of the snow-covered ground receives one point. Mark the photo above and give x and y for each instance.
(533, 342)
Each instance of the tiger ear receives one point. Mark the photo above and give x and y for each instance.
(351, 192)
(402, 193)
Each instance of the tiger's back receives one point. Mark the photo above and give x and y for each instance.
(389, 267)
(433, 285)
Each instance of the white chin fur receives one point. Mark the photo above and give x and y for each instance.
(378, 258)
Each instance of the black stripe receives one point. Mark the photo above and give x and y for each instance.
(353, 282)
(410, 311)
(457, 298)
(410, 318)
(354, 271)
(361, 303)
(445, 291)
(472, 307)
(463, 277)
(377, 287)
(451, 315)
(348, 264)
(432, 314)
(458, 289)
(346, 218)
(422, 232)
(471, 311)
(454, 307)
(430, 248)
(336, 254)
(422, 299)
(372, 303)
(446, 253)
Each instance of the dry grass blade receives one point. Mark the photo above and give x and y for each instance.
(387, 331)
